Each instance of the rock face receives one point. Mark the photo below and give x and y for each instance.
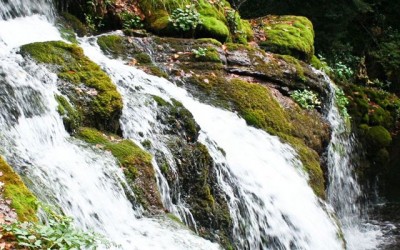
(88, 88)
(250, 81)
(196, 177)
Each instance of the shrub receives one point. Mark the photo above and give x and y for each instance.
(57, 233)
(185, 19)
(130, 21)
(200, 52)
(306, 99)
(342, 102)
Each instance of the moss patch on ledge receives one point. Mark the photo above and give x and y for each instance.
(135, 162)
(74, 67)
(22, 200)
(287, 35)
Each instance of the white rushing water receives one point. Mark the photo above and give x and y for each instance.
(84, 182)
(270, 201)
(344, 192)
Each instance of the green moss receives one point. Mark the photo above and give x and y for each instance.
(73, 66)
(23, 201)
(135, 162)
(289, 35)
(209, 41)
(296, 64)
(174, 218)
(143, 58)
(154, 70)
(71, 117)
(74, 23)
(247, 30)
(211, 55)
(112, 44)
(212, 27)
(378, 137)
(160, 101)
(212, 16)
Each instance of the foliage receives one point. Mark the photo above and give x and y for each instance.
(185, 19)
(341, 71)
(130, 21)
(200, 52)
(306, 99)
(57, 232)
(342, 102)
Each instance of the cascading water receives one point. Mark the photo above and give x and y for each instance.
(82, 181)
(271, 204)
(344, 192)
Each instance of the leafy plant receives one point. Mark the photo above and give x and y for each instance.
(306, 98)
(342, 71)
(342, 102)
(185, 19)
(130, 21)
(200, 52)
(57, 233)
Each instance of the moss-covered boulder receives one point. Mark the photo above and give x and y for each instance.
(378, 137)
(286, 35)
(88, 88)
(22, 200)
(135, 162)
(216, 19)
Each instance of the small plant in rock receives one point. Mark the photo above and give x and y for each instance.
(306, 99)
(342, 102)
(130, 21)
(342, 71)
(200, 52)
(57, 233)
(185, 19)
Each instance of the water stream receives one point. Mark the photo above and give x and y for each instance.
(280, 209)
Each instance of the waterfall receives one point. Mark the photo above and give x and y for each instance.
(271, 204)
(84, 182)
(344, 192)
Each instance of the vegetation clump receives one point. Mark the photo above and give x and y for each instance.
(58, 232)
(22, 200)
(306, 99)
(73, 66)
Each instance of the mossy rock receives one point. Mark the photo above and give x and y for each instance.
(22, 200)
(135, 162)
(213, 24)
(75, 24)
(378, 137)
(112, 44)
(71, 117)
(178, 119)
(287, 35)
(72, 66)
